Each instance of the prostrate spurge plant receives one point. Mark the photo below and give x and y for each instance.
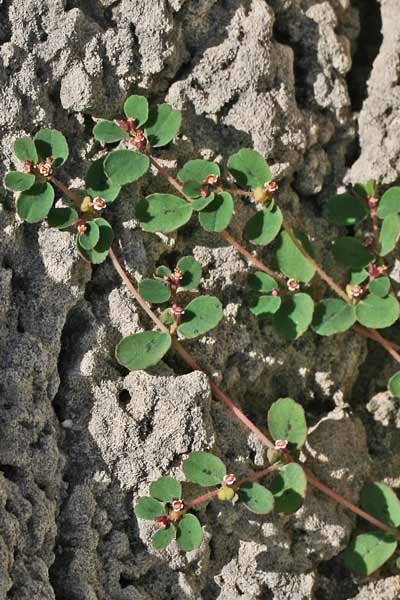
(280, 294)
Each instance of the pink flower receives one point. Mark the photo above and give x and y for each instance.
(280, 444)
(229, 479)
(99, 203)
(293, 285)
(177, 505)
(211, 180)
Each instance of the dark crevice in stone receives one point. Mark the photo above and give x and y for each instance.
(366, 50)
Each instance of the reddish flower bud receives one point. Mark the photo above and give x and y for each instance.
(280, 444)
(204, 192)
(211, 180)
(373, 202)
(131, 122)
(271, 187)
(28, 166)
(81, 225)
(368, 240)
(373, 270)
(123, 124)
(275, 292)
(138, 139)
(229, 479)
(293, 285)
(98, 203)
(162, 522)
(177, 505)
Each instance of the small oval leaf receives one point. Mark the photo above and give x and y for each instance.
(35, 204)
(142, 350)
(163, 124)
(380, 501)
(394, 384)
(149, 508)
(294, 316)
(286, 421)
(99, 253)
(108, 132)
(346, 209)
(289, 488)
(201, 315)
(189, 533)
(197, 170)
(163, 537)
(256, 497)
(389, 234)
(163, 213)
(264, 226)
(154, 291)
(62, 217)
(377, 312)
(166, 489)
(217, 215)
(261, 282)
(369, 551)
(389, 203)
(191, 273)
(333, 316)
(137, 107)
(349, 251)
(380, 286)
(291, 261)
(18, 181)
(89, 239)
(50, 142)
(125, 166)
(264, 306)
(204, 468)
(249, 168)
(25, 149)
(97, 183)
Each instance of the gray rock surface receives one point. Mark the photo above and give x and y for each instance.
(80, 440)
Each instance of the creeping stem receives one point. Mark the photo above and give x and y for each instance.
(218, 393)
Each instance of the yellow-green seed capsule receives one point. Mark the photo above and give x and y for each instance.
(260, 194)
(86, 204)
(226, 493)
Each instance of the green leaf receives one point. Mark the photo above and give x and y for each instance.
(90, 238)
(256, 497)
(197, 170)
(167, 317)
(137, 107)
(249, 168)
(263, 226)
(291, 261)
(204, 468)
(350, 252)
(163, 125)
(35, 204)
(142, 350)
(163, 213)
(394, 384)
(99, 253)
(294, 316)
(189, 533)
(61, 218)
(357, 277)
(380, 501)
(286, 421)
(262, 306)
(389, 234)
(50, 142)
(191, 273)
(163, 537)
(370, 187)
(333, 316)
(380, 286)
(389, 203)
(154, 291)
(217, 215)
(193, 189)
(162, 271)
(149, 508)
(108, 132)
(125, 166)
(97, 183)
(346, 209)
(369, 551)
(19, 181)
(289, 488)
(261, 282)
(201, 315)
(166, 489)
(200, 203)
(25, 149)
(377, 312)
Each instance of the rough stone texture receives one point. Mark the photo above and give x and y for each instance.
(80, 440)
